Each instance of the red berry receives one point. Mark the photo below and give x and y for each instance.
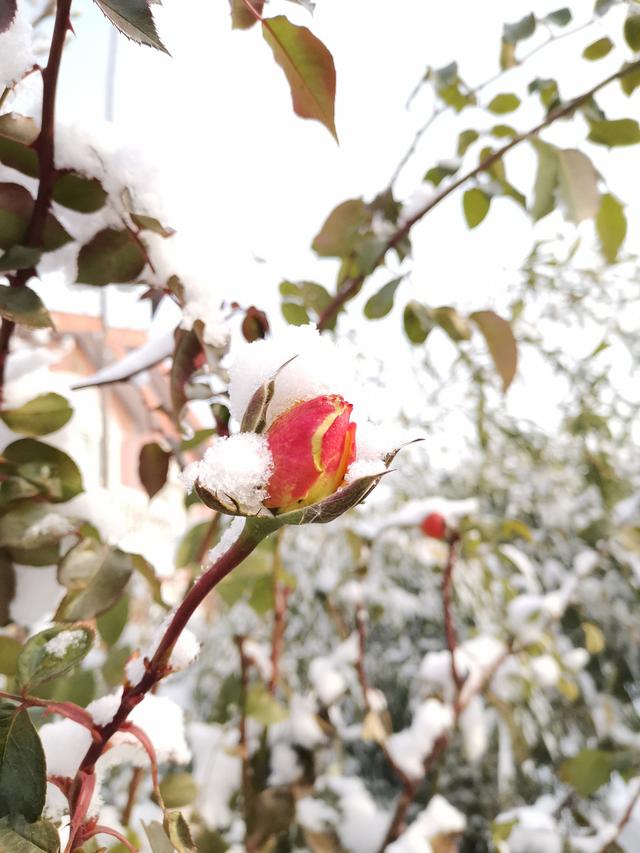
(434, 525)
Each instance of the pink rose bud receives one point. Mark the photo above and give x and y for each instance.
(434, 525)
(312, 445)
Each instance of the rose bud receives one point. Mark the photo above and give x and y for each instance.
(434, 525)
(312, 444)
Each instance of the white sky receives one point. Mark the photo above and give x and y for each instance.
(242, 177)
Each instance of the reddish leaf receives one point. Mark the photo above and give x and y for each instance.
(501, 342)
(188, 357)
(308, 67)
(255, 324)
(7, 14)
(153, 467)
(241, 17)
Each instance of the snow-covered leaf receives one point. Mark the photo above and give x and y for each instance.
(308, 66)
(134, 19)
(95, 576)
(17, 133)
(52, 471)
(51, 653)
(18, 836)
(85, 195)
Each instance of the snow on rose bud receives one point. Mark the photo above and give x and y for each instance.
(298, 457)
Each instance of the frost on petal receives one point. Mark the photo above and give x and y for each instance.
(16, 50)
(318, 367)
(236, 469)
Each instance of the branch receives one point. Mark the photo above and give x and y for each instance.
(247, 799)
(438, 111)
(44, 145)
(449, 627)
(158, 667)
(352, 285)
(281, 593)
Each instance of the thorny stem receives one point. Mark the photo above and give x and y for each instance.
(44, 145)
(352, 285)
(438, 111)
(158, 666)
(449, 627)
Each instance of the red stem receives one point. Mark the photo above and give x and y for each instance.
(158, 666)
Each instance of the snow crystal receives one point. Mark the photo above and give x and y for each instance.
(135, 669)
(319, 366)
(65, 744)
(59, 645)
(364, 468)
(439, 818)
(285, 768)
(327, 681)
(52, 524)
(236, 468)
(226, 540)
(162, 720)
(16, 50)
(104, 709)
(185, 651)
(363, 823)
(410, 747)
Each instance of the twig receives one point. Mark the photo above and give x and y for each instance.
(438, 111)
(624, 820)
(134, 784)
(44, 146)
(352, 285)
(449, 627)
(247, 785)
(281, 593)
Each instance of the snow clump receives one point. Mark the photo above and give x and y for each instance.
(59, 645)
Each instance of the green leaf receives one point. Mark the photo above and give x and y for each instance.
(23, 775)
(241, 17)
(179, 832)
(577, 184)
(95, 576)
(622, 131)
(112, 256)
(19, 258)
(546, 180)
(54, 473)
(134, 19)
(417, 322)
(504, 103)
(263, 707)
(51, 653)
(602, 6)
(7, 588)
(475, 203)
(10, 649)
(17, 133)
(501, 343)
(611, 225)
(465, 139)
(381, 303)
(294, 314)
(453, 323)
(500, 131)
(519, 31)
(40, 416)
(111, 624)
(630, 81)
(16, 209)
(589, 770)
(18, 836)
(437, 174)
(15, 525)
(598, 49)
(85, 195)
(43, 555)
(632, 32)
(342, 229)
(178, 790)
(157, 837)
(148, 223)
(153, 467)
(308, 67)
(23, 305)
(199, 436)
(561, 17)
